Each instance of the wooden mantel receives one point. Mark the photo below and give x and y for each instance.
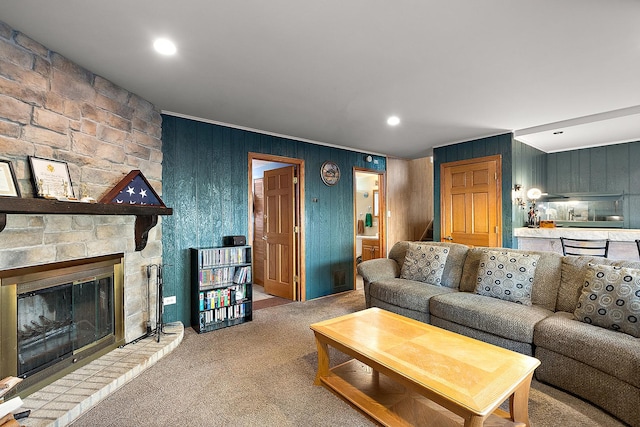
(146, 216)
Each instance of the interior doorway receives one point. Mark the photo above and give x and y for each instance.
(276, 229)
(369, 215)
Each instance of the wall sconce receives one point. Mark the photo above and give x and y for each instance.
(516, 196)
(534, 194)
(368, 158)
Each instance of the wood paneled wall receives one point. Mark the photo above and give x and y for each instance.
(409, 198)
(205, 181)
(421, 197)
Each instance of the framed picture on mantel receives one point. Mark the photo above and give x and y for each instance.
(51, 178)
(8, 184)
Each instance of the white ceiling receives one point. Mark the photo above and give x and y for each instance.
(332, 71)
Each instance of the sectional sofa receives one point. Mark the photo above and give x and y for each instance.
(577, 315)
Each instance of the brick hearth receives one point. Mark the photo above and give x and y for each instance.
(66, 399)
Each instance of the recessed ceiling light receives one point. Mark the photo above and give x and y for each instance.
(393, 121)
(164, 46)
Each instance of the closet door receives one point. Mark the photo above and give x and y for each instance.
(471, 202)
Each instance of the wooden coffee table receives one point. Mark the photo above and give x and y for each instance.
(407, 371)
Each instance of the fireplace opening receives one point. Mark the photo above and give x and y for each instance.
(55, 322)
(58, 317)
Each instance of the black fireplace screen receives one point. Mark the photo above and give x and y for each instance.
(55, 322)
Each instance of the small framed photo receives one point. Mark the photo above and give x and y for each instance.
(8, 183)
(51, 178)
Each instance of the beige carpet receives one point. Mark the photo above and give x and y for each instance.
(269, 302)
(261, 374)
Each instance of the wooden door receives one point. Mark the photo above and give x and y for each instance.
(258, 232)
(279, 232)
(471, 202)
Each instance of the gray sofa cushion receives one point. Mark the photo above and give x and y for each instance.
(452, 269)
(503, 318)
(573, 274)
(520, 347)
(424, 263)
(611, 298)
(406, 293)
(506, 275)
(612, 352)
(546, 281)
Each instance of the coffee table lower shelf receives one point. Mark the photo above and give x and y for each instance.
(391, 404)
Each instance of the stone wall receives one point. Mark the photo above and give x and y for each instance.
(53, 108)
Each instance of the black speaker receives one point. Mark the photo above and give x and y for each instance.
(234, 241)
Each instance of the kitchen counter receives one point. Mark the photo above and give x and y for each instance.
(622, 243)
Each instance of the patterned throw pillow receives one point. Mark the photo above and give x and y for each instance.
(506, 275)
(610, 298)
(424, 263)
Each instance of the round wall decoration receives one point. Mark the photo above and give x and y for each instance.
(330, 173)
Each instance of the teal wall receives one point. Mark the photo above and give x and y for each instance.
(205, 181)
(529, 170)
(491, 146)
(608, 169)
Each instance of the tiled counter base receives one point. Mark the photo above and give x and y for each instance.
(622, 245)
(61, 402)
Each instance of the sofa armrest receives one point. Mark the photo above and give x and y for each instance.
(377, 269)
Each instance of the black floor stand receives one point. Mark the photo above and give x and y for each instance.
(159, 324)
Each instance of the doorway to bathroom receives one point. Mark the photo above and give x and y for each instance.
(369, 215)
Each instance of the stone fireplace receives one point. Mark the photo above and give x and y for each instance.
(51, 107)
(59, 316)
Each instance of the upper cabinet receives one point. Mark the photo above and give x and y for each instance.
(599, 171)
